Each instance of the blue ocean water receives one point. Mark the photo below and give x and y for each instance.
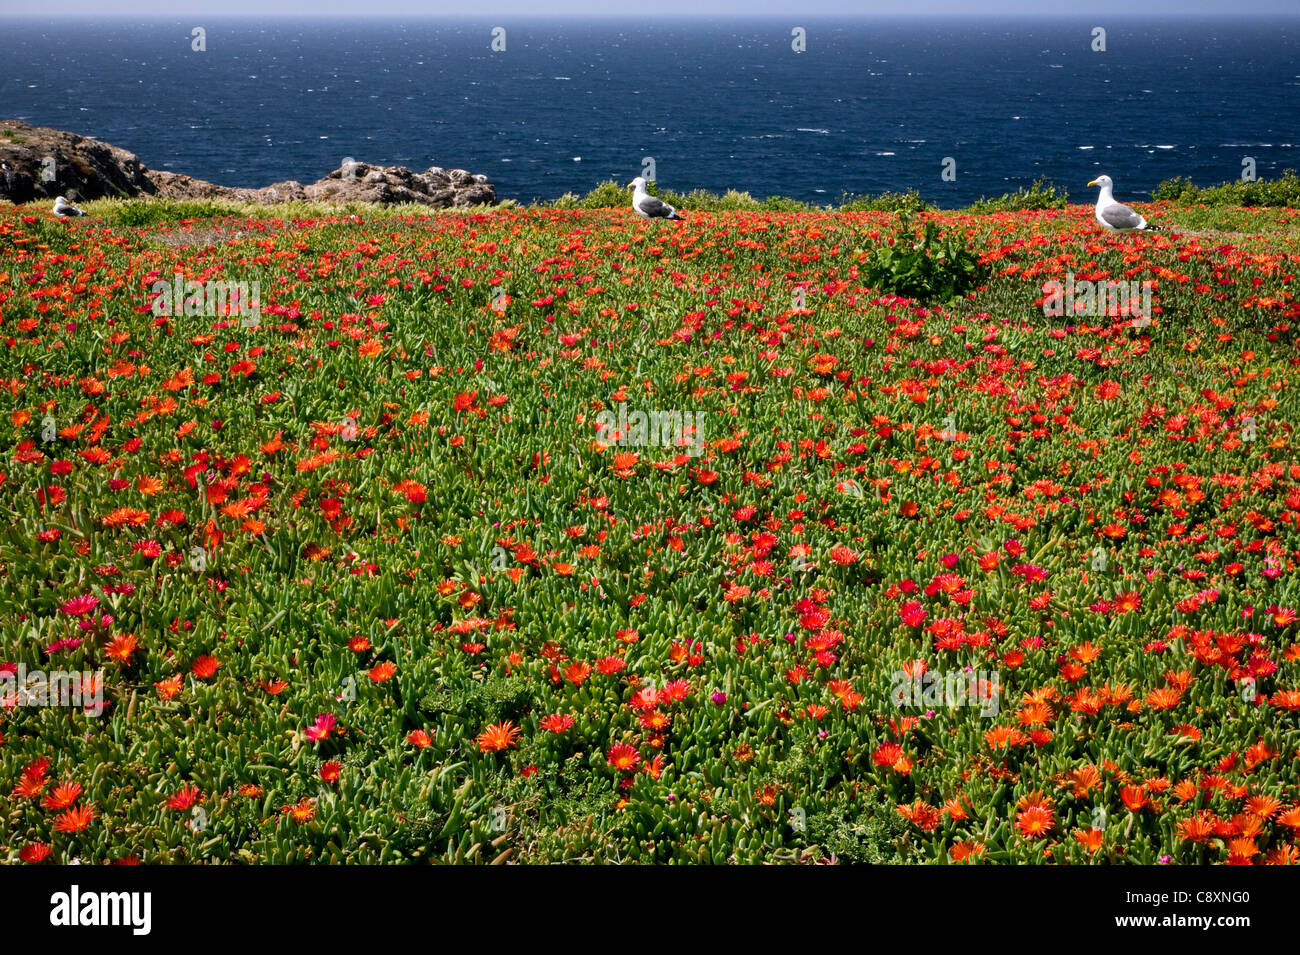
(871, 105)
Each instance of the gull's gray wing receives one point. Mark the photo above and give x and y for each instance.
(655, 208)
(1119, 216)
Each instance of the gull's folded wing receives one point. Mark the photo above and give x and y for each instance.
(655, 208)
(1119, 216)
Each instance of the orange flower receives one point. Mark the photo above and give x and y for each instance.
(924, 817)
(497, 737)
(1090, 838)
(1035, 821)
(121, 647)
(1134, 797)
(64, 795)
(576, 672)
(623, 757)
(303, 812)
(1035, 818)
(1163, 698)
(75, 820)
(169, 687)
(381, 672)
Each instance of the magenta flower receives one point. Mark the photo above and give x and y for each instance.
(80, 606)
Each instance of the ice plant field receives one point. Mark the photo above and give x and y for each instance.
(542, 535)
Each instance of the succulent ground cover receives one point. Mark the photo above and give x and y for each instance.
(371, 578)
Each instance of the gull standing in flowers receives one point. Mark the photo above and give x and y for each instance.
(648, 206)
(1116, 216)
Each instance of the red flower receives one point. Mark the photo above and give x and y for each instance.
(184, 798)
(557, 723)
(34, 852)
(912, 613)
(205, 666)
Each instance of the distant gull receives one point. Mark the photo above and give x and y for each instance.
(649, 207)
(63, 208)
(1116, 216)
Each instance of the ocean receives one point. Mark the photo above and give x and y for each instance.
(562, 104)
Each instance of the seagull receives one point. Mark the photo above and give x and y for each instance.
(1114, 215)
(63, 208)
(649, 207)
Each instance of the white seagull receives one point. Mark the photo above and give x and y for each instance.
(63, 208)
(1116, 216)
(649, 207)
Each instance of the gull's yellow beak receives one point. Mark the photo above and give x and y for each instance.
(630, 185)
(1093, 182)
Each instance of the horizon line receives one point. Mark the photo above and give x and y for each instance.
(719, 15)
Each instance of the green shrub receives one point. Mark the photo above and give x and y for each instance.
(782, 204)
(1174, 190)
(909, 201)
(1040, 195)
(1284, 191)
(924, 267)
(607, 195)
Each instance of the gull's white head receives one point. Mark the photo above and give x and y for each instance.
(1103, 181)
(637, 183)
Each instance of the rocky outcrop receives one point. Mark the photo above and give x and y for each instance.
(40, 163)
(388, 185)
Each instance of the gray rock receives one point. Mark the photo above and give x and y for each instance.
(82, 168)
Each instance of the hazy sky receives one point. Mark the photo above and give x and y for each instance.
(432, 9)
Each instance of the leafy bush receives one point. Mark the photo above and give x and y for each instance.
(909, 201)
(782, 204)
(1040, 195)
(925, 267)
(607, 195)
(1262, 192)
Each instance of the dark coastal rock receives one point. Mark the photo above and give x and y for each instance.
(41, 163)
(37, 162)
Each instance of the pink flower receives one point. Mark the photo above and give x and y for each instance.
(321, 730)
(912, 613)
(80, 606)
